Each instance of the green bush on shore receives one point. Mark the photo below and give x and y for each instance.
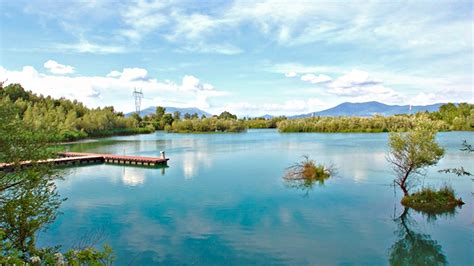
(433, 201)
(264, 123)
(205, 125)
(64, 119)
(449, 117)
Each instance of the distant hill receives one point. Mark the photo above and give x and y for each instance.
(370, 109)
(170, 110)
(267, 116)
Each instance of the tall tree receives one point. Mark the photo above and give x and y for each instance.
(411, 152)
(160, 112)
(177, 115)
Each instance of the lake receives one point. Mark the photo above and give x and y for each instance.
(222, 200)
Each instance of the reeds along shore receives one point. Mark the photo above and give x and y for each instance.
(450, 117)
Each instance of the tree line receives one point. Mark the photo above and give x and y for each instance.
(29, 200)
(66, 119)
(449, 117)
(192, 123)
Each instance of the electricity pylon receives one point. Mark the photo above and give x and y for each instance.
(138, 99)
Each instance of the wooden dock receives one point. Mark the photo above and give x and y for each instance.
(71, 158)
(120, 159)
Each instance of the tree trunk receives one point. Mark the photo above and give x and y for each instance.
(402, 184)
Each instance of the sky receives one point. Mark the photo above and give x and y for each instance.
(247, 57)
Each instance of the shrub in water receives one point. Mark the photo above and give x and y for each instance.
(433, 201)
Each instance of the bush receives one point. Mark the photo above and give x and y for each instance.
(206, 125)
(308, 170)
(433, 201)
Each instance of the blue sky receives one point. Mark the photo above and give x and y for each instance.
(247, 57)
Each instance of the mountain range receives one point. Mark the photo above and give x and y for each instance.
(344, 109)
(170, 110)
(370, 109)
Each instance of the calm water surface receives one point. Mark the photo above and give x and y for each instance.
(222, 200)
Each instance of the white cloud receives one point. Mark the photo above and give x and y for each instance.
(360, 86)
(354, 78)
(290, 74)
(114, 74)
(143, 17)
(191, 83)
(115, 88)
(442, 96)
(413, 27)
(192, 27)
(205, 48)
(129, 74)
(289, 107)
(321, 78)
(297, 68)
(84, 46)
(56, 68)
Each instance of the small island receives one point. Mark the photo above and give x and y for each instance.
(433, 201)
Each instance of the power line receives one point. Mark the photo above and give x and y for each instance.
(138, 99)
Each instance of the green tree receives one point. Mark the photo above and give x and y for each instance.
(160, 112)
(167, 120)
(411, 152)
(27, 209)
(177, 115)
(227, 115)
(21, 142)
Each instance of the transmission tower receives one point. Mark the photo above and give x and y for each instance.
(138, 99)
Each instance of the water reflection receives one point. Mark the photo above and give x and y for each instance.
(192, 161)
(413, 248)
(304, 185)
(135, 176)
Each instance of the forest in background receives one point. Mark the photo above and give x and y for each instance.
(450, 117)
(66, 120)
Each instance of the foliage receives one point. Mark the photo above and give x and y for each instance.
(261, 122)
(52, 256)
(305, 174)
(460, 171)
(411, 152)
(27, 209)
(160, 119)
(20, 142)
(64, 119)
(431, 201)
(90, 256)
(449, 117)
(212, 124)
(226, 115)
(458, 117)
(308, 169)
(28, 198)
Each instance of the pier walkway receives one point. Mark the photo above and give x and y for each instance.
(71, 158)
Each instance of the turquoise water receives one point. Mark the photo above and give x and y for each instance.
(222, 200)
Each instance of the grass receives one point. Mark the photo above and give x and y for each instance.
(431, 201)
(207, 125)
(308, 170)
